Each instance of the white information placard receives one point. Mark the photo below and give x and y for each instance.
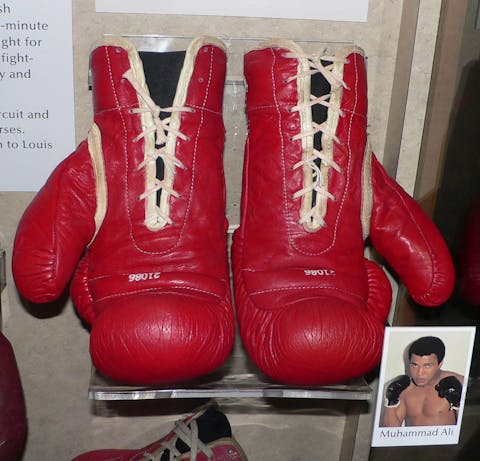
(36, 91)
(422, 386)
(337, 10)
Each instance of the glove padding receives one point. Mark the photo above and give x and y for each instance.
(450, 388)
(394, 389)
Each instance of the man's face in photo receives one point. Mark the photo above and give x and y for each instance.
(424, 369)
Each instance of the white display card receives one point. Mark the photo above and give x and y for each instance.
(338, 10)
(427, 410)
(36, 91)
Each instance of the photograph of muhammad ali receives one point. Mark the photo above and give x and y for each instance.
(426, 395)
(422, 385)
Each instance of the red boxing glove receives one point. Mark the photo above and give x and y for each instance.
(311, 308)
(138, 212)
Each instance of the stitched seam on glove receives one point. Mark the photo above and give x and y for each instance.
(159, 290)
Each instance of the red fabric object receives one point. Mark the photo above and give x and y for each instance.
(468, 262)
(147, 244)
(13, 419)
(311, 308)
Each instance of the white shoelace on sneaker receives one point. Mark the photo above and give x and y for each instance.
(189, 435)
(161, 128)
(319, 184)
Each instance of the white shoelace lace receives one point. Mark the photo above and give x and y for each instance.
(319, 184)
(189, 435)
(161, 128)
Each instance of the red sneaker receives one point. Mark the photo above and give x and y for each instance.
(205, 435)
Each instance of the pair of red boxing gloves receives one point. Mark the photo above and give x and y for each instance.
(137, 216)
